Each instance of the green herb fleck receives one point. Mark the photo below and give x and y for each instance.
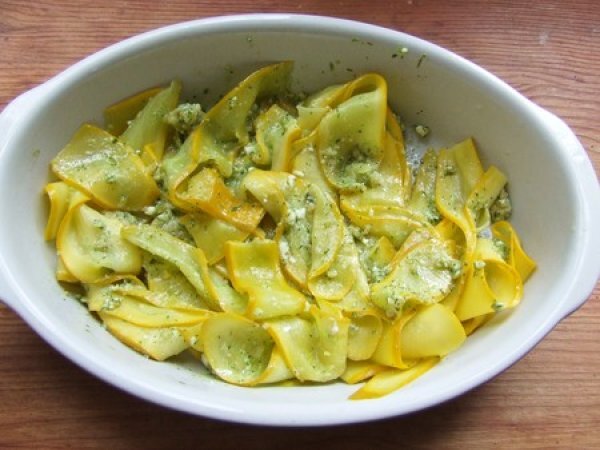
(497, 306)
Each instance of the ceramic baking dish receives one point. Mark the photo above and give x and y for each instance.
(553, 185)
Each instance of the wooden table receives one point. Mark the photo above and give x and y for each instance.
(548, 50)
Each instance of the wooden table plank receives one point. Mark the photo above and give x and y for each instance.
(547, 50)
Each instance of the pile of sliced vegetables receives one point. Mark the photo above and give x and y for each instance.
(282, 239)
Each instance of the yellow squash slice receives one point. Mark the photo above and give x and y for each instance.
(102, 166)
(423, 275)
(236, 349)
(91, 246)
(118, 115)
(147, 133)
(314, 347)
(254, 269)
(210, 234)
(388, 381)
(157, 343)
(276, 130)
(433, 331)
(60, 194)
(351, 137)
(207, 192)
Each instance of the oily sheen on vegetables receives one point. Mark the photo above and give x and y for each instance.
(280, 237)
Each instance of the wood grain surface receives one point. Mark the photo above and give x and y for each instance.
(548, 50)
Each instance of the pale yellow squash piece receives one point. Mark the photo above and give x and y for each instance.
(222, 292)
(327, 233)
(90, 244)
(451, 200)
(357, 371)
(389, 348)
(157, 343)
(306, 164)
(383, 253)
(376, 259)
(294, 232)
(207, 192)
(169, 286)
(422, 200)
(468, 164)
(433, 331)
(193, 338)
(213, 289)
(392, 222)
(147, 132)
(452, 299)
(137, 312)
(210, 234)
(118, 115)
(277, 370)
(59, 193)
(340, 276)
(364, 334)
(390, 380)
(314, 347)
(423, 275)
(357, 299)
(387, 187)
(188, 259)
(351, 137)
(517, 257)
(458, 171)
(236, 349)
(254, 270)
(491, 284)
(276, 130)
(110, 172)
(315, 106)
(62, 273)
(471, 325)
(483, 195)
(394, 129)
(270, 190)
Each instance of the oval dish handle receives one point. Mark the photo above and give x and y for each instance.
(589, 264)
(13, 111)
(9, 116)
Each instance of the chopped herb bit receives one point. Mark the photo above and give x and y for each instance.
(501, 209)
(502, 248)
(422, 130)
(497, 306)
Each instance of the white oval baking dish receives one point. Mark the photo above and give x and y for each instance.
(555, 193)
